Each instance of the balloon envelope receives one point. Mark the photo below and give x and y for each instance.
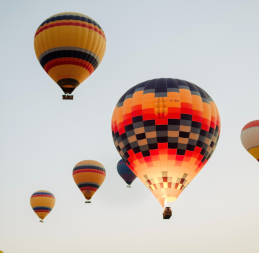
(166, 130)
(250, 138)
(125, 172)
(89, 175)
(69, 47)
(42, 202)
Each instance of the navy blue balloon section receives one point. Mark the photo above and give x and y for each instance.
(125, 172)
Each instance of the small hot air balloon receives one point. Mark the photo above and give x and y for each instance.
(166, 130)
(250, 138)
(69, 47)
(125, 172)
(42, 203)
(1, 251)
(89, 175)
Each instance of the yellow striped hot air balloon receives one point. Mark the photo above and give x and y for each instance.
(42, 202)
(250, 138)
(89, 175)
(69, 46)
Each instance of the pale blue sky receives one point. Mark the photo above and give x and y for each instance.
(213, 44)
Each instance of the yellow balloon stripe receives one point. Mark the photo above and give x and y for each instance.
(68, 71)
(254, 152)
(69, 36)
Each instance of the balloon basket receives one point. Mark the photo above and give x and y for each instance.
(88, 202)
(128, 186)
(41, 221)
(67, 97)
(167, 213)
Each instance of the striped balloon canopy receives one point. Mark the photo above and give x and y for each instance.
(42, 202)
(250, 138)
(125, 172)
(166, 130)
(89, 176)
(69, 47)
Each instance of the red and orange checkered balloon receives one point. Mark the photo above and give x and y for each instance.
(166, 130)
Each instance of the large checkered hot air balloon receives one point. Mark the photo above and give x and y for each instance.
(250, 138)
(89, 175)
(166, 130)
(42, 202)
(69, 47)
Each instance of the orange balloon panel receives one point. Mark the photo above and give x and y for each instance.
(89, 175)
(250, 138)
(42, 202)
(166, 130)
(69, 47)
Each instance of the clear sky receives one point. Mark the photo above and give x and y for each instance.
(213, 44)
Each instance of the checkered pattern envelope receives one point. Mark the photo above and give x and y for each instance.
(166, 130)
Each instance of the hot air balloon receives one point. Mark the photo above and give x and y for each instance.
(89, 175)
(1, 251)
(166, 130)
(42, 202)
(125, 172)
(69, 47)
(250, 138)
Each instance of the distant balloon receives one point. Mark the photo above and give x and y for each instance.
(42, 203)
(1, 251)
(125, 172)
(89, 175)
(250, 138)
(69, 47)
(166, 130)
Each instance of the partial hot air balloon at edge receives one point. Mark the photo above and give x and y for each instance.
(89, 176)
(125, 172)
(250, 138)
(69, 46)
(166, 130)
(42, 202)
